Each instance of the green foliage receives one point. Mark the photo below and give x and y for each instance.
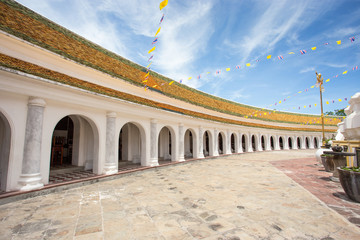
(354, 169)
(337, 112)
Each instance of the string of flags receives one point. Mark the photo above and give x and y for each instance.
(279, 57)
(255, 113)
(153, 43)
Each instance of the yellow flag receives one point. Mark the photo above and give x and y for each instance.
(145, 81)
(327, 80)
(315, 104)
(189, 78)
(312, 86)
(327, 102)
(149, 65)
(157, 31)
(228, 69)
(345, 72)
(163, 4)
(291, 53)
(304, 106)
(146, 74)
(154, 86)
(299, 92)
(313, 48)
(248, 64)
(207, 72)
(340, 100)
(151, 50)
(268, 57)
(265, 114)
(279, 101)
(255, 115)
(338, 42)
(171, 82)
(246, 116)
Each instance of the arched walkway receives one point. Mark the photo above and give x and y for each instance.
(233, 143)
(166, 146)
(244, 143)
(131, 144)
(221, 138)
(272, 143)
(281, 143)
(298, 140)
(208, 144)
(74, 147)
(263, 143)
(307, 143)
(253, 143)
(290, 143)
(189, 144)
(316, 143)
(5, 139)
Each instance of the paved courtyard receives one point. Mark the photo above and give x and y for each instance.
(234, 197)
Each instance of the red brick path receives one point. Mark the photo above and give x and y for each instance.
(312, 176)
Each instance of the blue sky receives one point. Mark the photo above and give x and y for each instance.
(201, 37)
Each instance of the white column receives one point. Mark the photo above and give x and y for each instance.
(303, 143)
(153, 144)
(311, 142)
(249, 143)
(201, 143)
(276, 142)
(267, 143)
(110, 166)
(259, 142)
(238, 143)
(216, 142)
(294, 141)
(30, 177)
(286, 143)
(181, 157)
(227, 142)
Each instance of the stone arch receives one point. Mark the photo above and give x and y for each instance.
(307, 143)
(298, 142)
(132, 144)
(233, 145)
(208, 142)
(221, 143)
(75, 141)
(263, 142)
(316, 142)
(190, 144)
(272, 143)
(5, 144)
(281, 143)
(254, 144)
(166, 144)
(290, 143)
(244, 142)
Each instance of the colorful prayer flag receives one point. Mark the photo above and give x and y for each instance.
(150, 58)
(155, 40)
(147, 74)
(198, 77)
(163, 4)
(157, 31)
(162, 18)
(151, 50)
(302, 52)
(238, 66)
(352, 39)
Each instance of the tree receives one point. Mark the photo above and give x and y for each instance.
(337, 112)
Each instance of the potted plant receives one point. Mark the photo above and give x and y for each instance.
(350, 181)
(326, 160)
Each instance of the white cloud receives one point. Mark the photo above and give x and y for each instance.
(308, 69)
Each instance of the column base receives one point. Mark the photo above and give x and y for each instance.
(110, 169)
(201, 155)
(30, 182)
(153, 162)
